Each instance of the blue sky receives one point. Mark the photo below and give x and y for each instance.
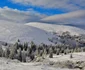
(47, 11)
(48, 7)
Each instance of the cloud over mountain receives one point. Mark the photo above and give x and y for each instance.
(19, 16)
(67, 16)
(76, 18)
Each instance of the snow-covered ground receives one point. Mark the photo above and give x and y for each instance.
(11, 32)
(7, 64)
(76, 57)
(57, 28)
(22, 66)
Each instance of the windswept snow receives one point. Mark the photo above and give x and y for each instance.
(10, 32)
(57, 28)
(7, 64)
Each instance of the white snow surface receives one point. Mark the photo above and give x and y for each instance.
(57, 28)
(79, 56)
(7, 64)
(10, 32)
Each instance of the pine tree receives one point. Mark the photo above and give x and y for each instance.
(51, 53)
(32, 56)
(33, 46)
(71, 56)
(1, 52)
(25, 46)
(13, 52)
(24, 56)
(19, 53)
(7, 53)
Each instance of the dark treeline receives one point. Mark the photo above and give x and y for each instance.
(25, 53)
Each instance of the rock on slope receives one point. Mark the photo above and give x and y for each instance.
(57, 28)
(11, 32)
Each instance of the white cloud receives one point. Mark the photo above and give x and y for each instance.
(68, 5)
(19, 16)
(75, 14)
(72, 18)
(76, 18)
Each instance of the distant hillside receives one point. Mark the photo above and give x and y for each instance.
(57, 28)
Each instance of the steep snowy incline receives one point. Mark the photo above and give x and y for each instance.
(10, 32)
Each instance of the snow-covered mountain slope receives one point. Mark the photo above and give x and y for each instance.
(12, 32)
(57, 28)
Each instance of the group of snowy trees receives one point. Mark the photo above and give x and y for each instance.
(67, 38)
(25, 53)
